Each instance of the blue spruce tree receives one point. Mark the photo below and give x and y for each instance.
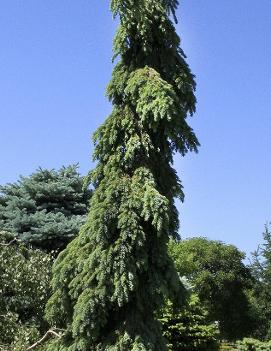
(45, 209)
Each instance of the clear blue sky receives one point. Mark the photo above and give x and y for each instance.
(55, 61)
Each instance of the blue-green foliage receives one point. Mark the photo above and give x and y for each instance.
(45, 209)
(110, 280)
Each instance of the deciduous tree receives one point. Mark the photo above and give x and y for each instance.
(24, 289)
(220, 278)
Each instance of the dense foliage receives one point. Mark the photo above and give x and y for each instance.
(45, 209)
(24, 281)
(119, 285)
(249, 344)
(261, 295)
(221, 279)
(24, 288)
(109, 282)
(189, 329)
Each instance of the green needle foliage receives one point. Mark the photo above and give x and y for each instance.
(189, 329)
(261, 294)
(45, 209)
(109, 282)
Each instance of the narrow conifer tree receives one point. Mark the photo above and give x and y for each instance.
(109, 282)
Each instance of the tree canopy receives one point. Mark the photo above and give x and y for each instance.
(45, 209)
(220, 278)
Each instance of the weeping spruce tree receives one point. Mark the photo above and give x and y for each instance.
(109, 282)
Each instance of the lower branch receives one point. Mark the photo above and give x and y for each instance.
(50, 332)
(10, 243)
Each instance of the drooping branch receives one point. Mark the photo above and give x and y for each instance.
(112, 278)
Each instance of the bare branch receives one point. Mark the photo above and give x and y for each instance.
(10, 243)
(45, 338)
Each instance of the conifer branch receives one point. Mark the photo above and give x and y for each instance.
(122, 247)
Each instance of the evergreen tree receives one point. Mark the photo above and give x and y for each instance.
(189, 329)
(261, 295)
(110, 280)
(45, 209)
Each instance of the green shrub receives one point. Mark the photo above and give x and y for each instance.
(189, 329)
(249, 344)
(24, 288)
(227, 347)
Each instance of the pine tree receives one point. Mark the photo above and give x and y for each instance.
(189, 329)
(111, 279)
(45, 209)
(261, 295)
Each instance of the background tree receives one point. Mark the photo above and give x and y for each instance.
(261, 295)
(109, 282)
(189, 329)
(24, 288)
(221, 280)
(45, 209)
